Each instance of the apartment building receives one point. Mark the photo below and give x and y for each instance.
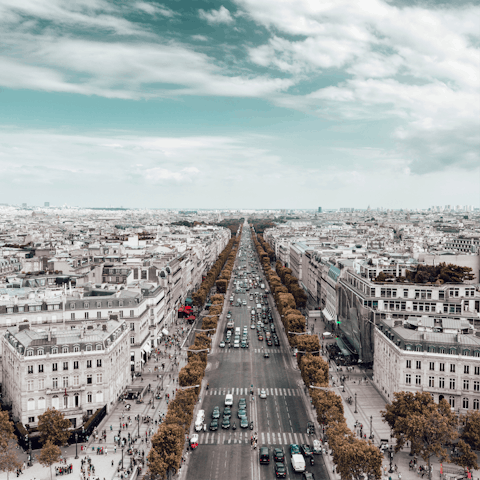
(438, 356)
(75, 371)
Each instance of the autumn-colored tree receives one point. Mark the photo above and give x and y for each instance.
(471, 429)
(191, 374)
(354, 458)
(217, 298)
(314, 370)
(9, 461)
(49, 455)
(328, 405)
(466, 458)
(419, 420)
(307, 343)
(6, 429)
(168, 444)
(54, 427)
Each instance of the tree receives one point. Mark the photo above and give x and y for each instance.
(54, 427)
(427, 425)
(168, 443)
(8, 452)
(6, 429)
(49, 455)
(466, 458)
(471, 429)
(328, 406)
(314, 370)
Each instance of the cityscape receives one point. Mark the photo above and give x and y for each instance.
(240, 240)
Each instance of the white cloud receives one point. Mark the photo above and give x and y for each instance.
(155, 9)
(216, 17)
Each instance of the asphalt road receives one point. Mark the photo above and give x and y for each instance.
(279, 420)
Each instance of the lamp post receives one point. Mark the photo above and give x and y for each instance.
(76, 446)
(390, 451)
(355, 402)
(371, 428)
(122, 453)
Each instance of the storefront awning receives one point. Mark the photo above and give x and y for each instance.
(146, 348)
(327, 315)
(187, 307)
(165, 331)
(343, 348)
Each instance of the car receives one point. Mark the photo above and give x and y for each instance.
(226, 422)
(242, 403)
(222, 344)
(269, 343)
(278, 455)
(260, 337)
(308, 476)
(294, 449)
(214, 424)
(252, 326)
(242, 413)
(227, 412)
(280, 470)
(244, 422)
(228, 316)
(276, 342)
(244, 303)
(266, 355)
(263, 393)
(216, 412)
(306, 450)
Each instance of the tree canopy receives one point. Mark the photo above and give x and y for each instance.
(54, 427)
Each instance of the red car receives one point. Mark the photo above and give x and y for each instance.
(260, 337)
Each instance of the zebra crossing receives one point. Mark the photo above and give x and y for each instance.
(255, 350)
(243, 437)
(277, 392)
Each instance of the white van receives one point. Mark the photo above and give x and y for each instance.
(228, 400)
(237, 330)
(298, 462)
(200, 420)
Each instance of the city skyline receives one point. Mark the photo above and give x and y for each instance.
(233, 104)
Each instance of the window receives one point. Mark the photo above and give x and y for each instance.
(476, 404)
(40, 351)
(54, 350)
(75, 365)
(441, 382)
(89, 398)
(418, 364)
(77, 401)
(41, 384)
(418, 379)
(31, 404)
(409, 364)
(121, 313)
(442, 367)
(89, 379)
(466, 369)
(29, 353)
(431, 382)
(477, 370)
(54, 367)
(54, 382)
(432, 366)
(131, 313)
(408, 379)
(31, 419)
(98, 347)
(88, 348)
(451, 401)
(99, 362)
(30, 385)
(466, 384)
(65, 382)
(86, 315)
(76, 380)
(476, 386)
(72, 316)
(89, 364)
(132, 327)
(99, 314)
(64, 349)
(30, 368)
(452, 368)
(40, 369)
(452, 384)
(65, 365)
(132, 340)
(99, 378)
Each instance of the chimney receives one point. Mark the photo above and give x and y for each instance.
(23, 326)
(104, 327)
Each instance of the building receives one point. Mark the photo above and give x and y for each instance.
(46, 204)
(76, 371)
(319, 209)
(438, 356)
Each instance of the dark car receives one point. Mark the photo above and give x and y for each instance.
(266, 355)
(216, 412)
(242, 413)
(264, 456)
(269, 343)
(276, 342)
(278, 455)
(306, 450)
(227, 412)
(214, 424)
(308, 476)
(226, 422)
(280, 470)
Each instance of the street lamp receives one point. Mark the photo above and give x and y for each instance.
(390, 451)
(76, 446)
(355, 402)
(371, 429)
(123, 446)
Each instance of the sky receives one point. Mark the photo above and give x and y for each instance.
(240, 104)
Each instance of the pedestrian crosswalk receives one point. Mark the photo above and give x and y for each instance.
(255, 350)
(243, 437)
(277, 392)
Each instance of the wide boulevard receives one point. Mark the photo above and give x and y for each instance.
(279, 420)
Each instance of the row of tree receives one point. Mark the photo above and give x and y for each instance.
(200, 296)
(292, 285)
(352, 456)
(165, 455)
